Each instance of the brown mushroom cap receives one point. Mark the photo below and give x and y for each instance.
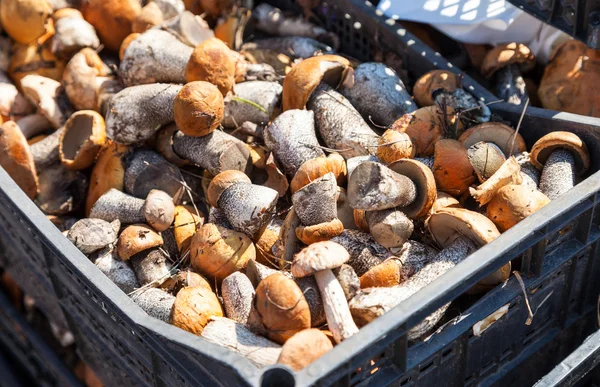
(108, 172)
(198, 108)
(303, 348)
(424, 180)
(496, 133)
(394, 145)
(217, 252)
(135, 239)
(288, 242)
(513, 203)
(164, 145)
(25, 20)
(216, 7)
(112, 19)
(184, 279)
(571, 79)
(448, 224)
(305, 76)
(80, 79)
(452, 169)
(317, 257)
(319, 232)
(432, 81)
(444, 200)
(507, 54)
(193, 308)
(426, 126)
(544, 147)
(81, 140)
(282, 308)
(16, 158)
(318, 167)
(212, 62)
(360, 220)
(388, 273)
(35, 58)
(65, 13)
(185, 223)
(223, 181)
(159, 210)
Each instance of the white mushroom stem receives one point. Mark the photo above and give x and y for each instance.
(558, 175)
(33, 124)
(508, 173)
(339, 319)
(227, 333)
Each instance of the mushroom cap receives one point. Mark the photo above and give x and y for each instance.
(317, 257)
(211, 61)
(126, 42)
(452, 169)
(444, 200)
(223, 181)
(320, 166)
(184, 279)
(193, 308)
(159, 210)
(394, 145)
(432, 81)
(288, 243)
(150, 16)
(360, 220)
(513, 203)
(388, 273)
(305, 76)
(16, 158)
(198, 108)
(47, 94)
(496, 133)
(25, 20)
(82, 139)
(264, 245)
(571, 79)
(35, 59)
(112, 19)
(319, 232)
(426, 126)
(231, 28)
(80, 79)
(65, 13)
(108, 172)
(543, 148)
(423, 178)
(282, 308)
(215, 8)
(185, 223)
(135, 239)
(164, 145)
(507, 54)
(448, 224)
(217, 252)
(303, 348)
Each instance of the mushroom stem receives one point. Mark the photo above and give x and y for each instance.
(364, 251)
(529, 173)
(558, 175)
(115, 204)
(238, 292)
(254, 101)
(510, 85)
(339, 319)
(33, 124)
(317, 202)
(45, 152)
(156, 302)
(508, 173)
(390, 228)
(151, 266)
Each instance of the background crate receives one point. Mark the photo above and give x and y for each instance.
(557, 246)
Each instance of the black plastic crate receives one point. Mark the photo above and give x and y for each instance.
(25, 358)
(557, 247)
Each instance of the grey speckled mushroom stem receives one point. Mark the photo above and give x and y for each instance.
(379, 94)
(558, 174)
(90, 235)
(156, 302)
(529, 173)
(390, 228)
(428, 161)
(340, 125)
(155, 56)
(373, 186)
(374, 302)
(348, 280)
(486, 158)
(510, 85)
(248, 207)
(136, 113)
(316, 202)
(115, 204)
(292, 138)
(311, 292)
(237, 292)
(118, 271)
(292, 46)
(216, 152)
(267, 95)
(151, 266)
(257, 272)
(364, 251)
(354, 162)
(147, 170)
(45, 152)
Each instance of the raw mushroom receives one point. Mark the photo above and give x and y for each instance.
(26, 20)
(140, 245)
(73, 33)
(119, 272)
(198, 108)
(304, 348)
(13, 104)
(150, 16)
(164, 145)
(264, 99)
(90, 235)
(390, 227)
(189, 28)
(81, 140)
(513, 203)
(318, 259)
(423, 179)
(212, 61)
(223, 181)
(378, 94)
(508, 173)
(364, 251)
(292, 46)
(112, 19)
(184, 279)
(562, 157)
(316, 206)
(452, 169)
(529, 173)
(147, 170)
(35, 58)
(508, 62)
(348, 280)
(394, 145)
(156, 302)
(193, 309)
(16, 158)
(237, 292)
(48, 95)
(61, 190)
(432, 81)
(314, 168)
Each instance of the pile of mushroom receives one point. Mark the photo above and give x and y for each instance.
(268, 195)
